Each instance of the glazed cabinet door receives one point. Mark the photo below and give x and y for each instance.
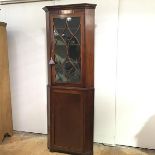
(67, 50)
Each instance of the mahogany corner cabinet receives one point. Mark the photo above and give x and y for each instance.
(70, 54)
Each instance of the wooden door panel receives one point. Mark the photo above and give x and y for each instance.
(68, 119)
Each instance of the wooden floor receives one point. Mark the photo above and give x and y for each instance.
(22, 143)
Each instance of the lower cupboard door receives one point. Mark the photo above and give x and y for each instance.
(67, 120)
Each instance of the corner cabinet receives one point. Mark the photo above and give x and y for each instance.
(5, 97)
(70, 51)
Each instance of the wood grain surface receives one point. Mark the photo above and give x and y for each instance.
(5, 98)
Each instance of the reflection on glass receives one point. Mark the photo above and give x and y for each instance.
(67, 49)
(60, 56)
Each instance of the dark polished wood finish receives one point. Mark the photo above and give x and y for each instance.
(71, 104)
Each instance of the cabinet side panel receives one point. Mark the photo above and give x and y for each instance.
(48, 38)
(89, 46)
(89, 120)
(49, 115)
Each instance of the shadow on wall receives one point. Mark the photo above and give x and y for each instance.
(146, 137)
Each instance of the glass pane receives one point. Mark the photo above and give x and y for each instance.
(76, 34)
(73, 21)
(60, 56)
(73, 51)
(72, 70)
(66, 35)
(58, 39)
(59, 22)
(67, 49)
(60, 76)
